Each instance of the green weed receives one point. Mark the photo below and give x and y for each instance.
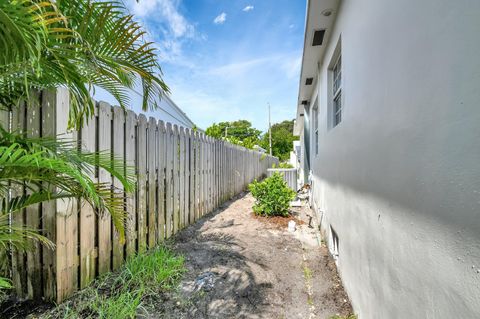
(122, 293)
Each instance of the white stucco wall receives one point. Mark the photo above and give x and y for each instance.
(167, 110)
(399, 178)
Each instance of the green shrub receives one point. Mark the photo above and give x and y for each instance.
(272, 196)
(282, 165)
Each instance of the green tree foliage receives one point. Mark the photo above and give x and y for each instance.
(272, 196)
(238, 132)
(282, 140)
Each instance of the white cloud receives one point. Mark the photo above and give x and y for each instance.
(238, 68)
(166, 25)
(292, 66)
(248, 8)
(167, 11)
(220, 19)
(290, 63)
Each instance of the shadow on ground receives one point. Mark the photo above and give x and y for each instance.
(220, 282)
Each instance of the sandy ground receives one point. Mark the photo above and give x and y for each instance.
(242, 266)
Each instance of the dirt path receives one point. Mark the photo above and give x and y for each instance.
(241, 266)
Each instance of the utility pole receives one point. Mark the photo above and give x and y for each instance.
(269, 130)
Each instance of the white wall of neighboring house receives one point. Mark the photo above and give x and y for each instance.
(398, 180)
(167, 110)
(295, 155)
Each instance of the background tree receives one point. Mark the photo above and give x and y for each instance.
(238, 132)
(282, 140)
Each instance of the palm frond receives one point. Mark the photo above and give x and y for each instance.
(78, 45)
(46, 164)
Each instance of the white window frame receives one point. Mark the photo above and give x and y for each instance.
(337, 91)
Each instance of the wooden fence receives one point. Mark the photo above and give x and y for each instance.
(181, 176)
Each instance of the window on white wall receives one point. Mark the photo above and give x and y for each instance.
(337, 91)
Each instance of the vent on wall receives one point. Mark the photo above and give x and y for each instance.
(333, 244)
(304, 102)
(318, 37)
(309, 81)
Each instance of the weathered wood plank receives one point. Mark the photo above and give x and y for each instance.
(192, 177)
(186, 202)
(169, 180)
(207, 179)
(67, 216)
(87, 213)
(142, 183)
(201, 166)
(181, 174)
(18, 218)
(104, 177)
(197, 176)
(161, 160)
(32, 217)
(118, 143)
(176, 179)
(130, 160)
(152, 179)
(49, 225)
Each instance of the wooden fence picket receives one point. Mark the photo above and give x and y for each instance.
(181, 174)
(66, 217)
(192, 176)
(152, 182)
(186, 203)
(176, 179)
(104, 219)
(161, 160)
(118, 153)
(131, 200)
(87, 213)
(142, 183)
(32, 212)
(49, 208)
(169, 180)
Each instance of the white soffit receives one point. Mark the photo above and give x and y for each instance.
(317, 18)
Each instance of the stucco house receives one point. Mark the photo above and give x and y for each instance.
(167, 110)
(389, 118)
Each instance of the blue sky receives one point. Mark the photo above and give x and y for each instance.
(225, 59)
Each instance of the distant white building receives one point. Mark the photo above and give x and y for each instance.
(389, 118)
(295, 155)
(167, 110)
(258, 148)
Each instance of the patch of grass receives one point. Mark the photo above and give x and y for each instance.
(310, 301)
(307, 273)
(122, 293)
